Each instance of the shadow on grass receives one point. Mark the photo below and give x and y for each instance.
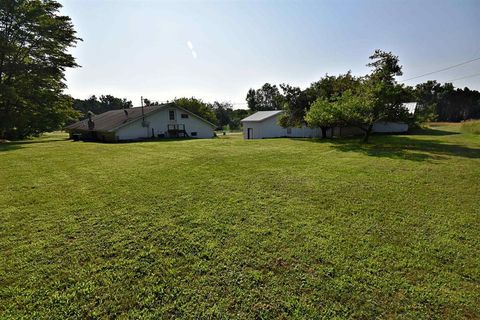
(14, 145)
(432, 132)
(9, 147)
(138, 141)
(410, 149)
(402, 147)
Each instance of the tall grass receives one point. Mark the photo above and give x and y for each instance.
(471, 126)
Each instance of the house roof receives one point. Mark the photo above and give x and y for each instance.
(111, 120)
(411, 106)
(261, 115)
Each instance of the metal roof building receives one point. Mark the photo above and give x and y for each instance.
(166, 121)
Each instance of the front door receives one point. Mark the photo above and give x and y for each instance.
(249, 133)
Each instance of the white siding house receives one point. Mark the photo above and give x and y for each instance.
(158, 125)
(165, 121)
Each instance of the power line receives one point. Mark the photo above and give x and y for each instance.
(444, 69)
(466, 77)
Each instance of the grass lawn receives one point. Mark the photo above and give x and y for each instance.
(227, 228)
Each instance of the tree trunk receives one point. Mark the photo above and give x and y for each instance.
(324, 132)
(367, 133)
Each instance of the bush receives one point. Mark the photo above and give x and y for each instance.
(471, 126)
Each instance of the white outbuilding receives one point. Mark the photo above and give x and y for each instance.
(264, 124)
(163, 121)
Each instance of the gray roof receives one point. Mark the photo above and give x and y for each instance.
(261, 115)
(111, 120)
(411, 106)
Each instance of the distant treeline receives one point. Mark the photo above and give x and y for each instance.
(439, 102)
(100, 104)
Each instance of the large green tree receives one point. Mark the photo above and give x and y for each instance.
(266, 98)
(373, 98)
(377, 98)
(34, 42)
(295, 106)
(323, 114)
(297, 102)
(330, 87)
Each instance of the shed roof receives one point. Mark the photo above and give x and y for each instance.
(261, 115)
(411, 106)
(113, 119)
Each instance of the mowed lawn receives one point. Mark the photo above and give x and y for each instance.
(227, 228)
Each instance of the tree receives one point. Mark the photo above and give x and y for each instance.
(149, 102)
(236, 117)
(252, 100)
(34, 43)
(101, 104)
(331, 87)
(377, 98)
(385, 66)
(227, 116)
(297, 102)
(295, 106)
(373, 102)
(223, 112)
(444, 102)
(322, 114)
(197, 107)
(266, 98)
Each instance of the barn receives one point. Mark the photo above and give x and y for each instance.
(264, 124)
(163, 121)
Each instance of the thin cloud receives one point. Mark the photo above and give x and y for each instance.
(190, 46)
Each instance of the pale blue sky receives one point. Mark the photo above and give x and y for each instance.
(217, 50)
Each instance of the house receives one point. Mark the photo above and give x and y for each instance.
(264, 124)
(163, 121)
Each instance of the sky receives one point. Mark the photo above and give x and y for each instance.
(217, 50)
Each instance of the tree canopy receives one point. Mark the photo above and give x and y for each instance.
(377, 98)
(227, 117)
(198, 107)
(100, 104)
(322, 114)
(266, 98)
(444, 102)
(34, 43)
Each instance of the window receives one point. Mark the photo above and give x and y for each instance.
(289, 130)
(184, 116)
(171, 114)
(193, 134)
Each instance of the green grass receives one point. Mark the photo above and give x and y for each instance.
(227, 228)
(471, 126)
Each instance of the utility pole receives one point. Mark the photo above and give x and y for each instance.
(143, 114)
